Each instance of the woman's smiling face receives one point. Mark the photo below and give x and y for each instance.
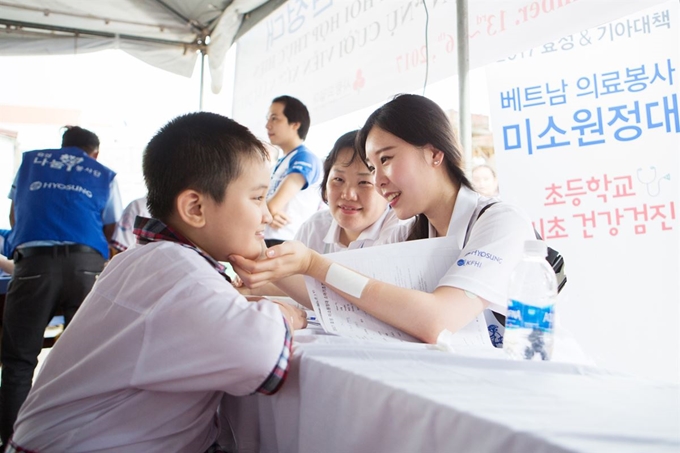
(401, 172)
(351, 194)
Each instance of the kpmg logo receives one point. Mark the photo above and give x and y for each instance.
(37, 185)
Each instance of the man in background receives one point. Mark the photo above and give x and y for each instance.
(64, 210)
(294, 191)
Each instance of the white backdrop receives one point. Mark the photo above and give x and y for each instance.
(587, 137)
(339, 56)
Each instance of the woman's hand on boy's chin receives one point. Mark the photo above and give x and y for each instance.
(284, 260)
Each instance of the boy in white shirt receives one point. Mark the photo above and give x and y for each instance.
(163, 334)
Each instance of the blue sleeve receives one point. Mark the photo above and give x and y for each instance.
(308, 165)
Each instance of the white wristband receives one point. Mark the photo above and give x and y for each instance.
(346, 280)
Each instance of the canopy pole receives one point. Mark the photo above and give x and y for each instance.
(464, 118)
(200, 93)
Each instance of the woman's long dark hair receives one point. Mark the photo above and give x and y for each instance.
(418, 121)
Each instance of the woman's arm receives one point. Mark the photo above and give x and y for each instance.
(420, 314)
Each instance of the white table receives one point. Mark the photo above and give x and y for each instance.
(343, 397)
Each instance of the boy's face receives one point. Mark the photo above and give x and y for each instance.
(279, 130)
(236, 226)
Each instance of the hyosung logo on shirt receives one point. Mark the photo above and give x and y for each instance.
(485, 255)
(37, 185)
(480, 255)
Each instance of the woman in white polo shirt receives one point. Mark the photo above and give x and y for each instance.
(419, 172)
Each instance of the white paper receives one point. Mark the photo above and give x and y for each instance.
(414, 264)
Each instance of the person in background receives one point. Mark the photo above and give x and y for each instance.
(123, 237)
(484, 181)
(6, 265)
(293, 194)
(163, 334)
(64, 209)
(418, 170)
(357, 217)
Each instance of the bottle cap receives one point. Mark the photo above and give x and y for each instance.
(536, 247)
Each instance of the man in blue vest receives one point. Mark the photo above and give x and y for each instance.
(64, 210)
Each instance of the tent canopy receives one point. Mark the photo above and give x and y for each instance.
(168, 34)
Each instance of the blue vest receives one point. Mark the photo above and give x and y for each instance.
(60, 196)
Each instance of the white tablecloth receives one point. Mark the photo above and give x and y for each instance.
(344, 397)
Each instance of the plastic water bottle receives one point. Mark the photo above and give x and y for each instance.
(531, 301)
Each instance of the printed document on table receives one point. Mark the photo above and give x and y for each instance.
(414, 264)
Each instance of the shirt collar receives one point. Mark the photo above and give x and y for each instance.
(333, 234)
(372, 233)
(464, 207)
(153, 230)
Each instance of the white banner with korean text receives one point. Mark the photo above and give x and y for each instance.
(339, 56)
(587, 141)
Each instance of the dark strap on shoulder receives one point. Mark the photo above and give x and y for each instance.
(467, 232)
(500, 318)
(485, 208)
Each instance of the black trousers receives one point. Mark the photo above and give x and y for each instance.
(44, 279)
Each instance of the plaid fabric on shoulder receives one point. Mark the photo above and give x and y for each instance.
(275, 379)
(153, 230)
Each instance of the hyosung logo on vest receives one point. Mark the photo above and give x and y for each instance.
(37, 185)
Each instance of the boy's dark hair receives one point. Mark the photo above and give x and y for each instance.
(81, 138)
(295, 112)
(418, 121)
(201, 151)
(345, 141)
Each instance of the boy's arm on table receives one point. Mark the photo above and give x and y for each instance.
(293, 287)
(296, 317)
